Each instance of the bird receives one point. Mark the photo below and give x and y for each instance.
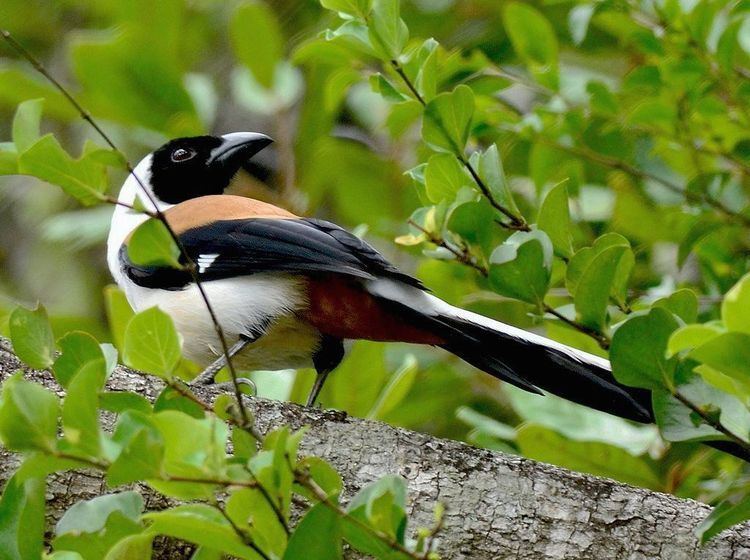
(288, 291)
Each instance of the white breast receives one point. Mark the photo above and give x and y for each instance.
(240, 304)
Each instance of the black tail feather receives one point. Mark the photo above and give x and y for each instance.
(545, 367)
(532, 363)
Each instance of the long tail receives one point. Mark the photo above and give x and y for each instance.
(524, 359)
(527, 360)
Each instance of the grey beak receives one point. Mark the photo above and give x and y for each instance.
(237, 148)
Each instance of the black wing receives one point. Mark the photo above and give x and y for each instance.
(232, 248)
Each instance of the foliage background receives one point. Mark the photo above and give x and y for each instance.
(638, 111)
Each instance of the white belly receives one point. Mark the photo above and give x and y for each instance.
(240, 304)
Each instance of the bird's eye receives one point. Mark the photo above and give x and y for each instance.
(182, 154)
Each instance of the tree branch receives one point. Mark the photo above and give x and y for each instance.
(497, 506)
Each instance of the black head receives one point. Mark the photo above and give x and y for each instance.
(187, 168)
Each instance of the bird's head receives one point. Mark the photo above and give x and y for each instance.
(186, 168)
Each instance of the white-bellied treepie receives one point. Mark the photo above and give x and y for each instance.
(289, 290)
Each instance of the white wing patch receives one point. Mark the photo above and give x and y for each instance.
(205, 261)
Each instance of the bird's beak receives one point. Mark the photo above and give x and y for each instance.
(236, 149)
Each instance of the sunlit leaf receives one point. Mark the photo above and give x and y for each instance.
(32, 337)
(152, 343)
(84, 179)
(26, 124)
(639, 348)
(28, 415)
(317, 537)
(554, 220)
(388, 32)
(22, 519)
(447, 120)
(520, 267)
(722, 517)
(151, 244)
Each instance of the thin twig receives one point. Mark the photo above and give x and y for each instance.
(516, 222)
(641, 174)
(274, 506)
(244, 537)
(716, 425)
(157, 213)
(464, 256)
(304, 479)
(601, 339)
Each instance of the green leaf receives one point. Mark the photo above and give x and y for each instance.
(317, 537)
(447, 120)
(426, 59)
(489, 166)
(39, 464)
(554, 220)
(119, 314)
(152, 245)
(323, 474)
(84, 179)
(202, 525)
(683, 303)
(257, 40)
(22, 519)
(520, 268)
(79, 350)
(388, 32)
(97, 544)
(382, 506)
(80, 413)
(140, 459)
(249, 505)
(171, 399)
(357, 8)
(151, 343)
(204, 452)
(677, 422)
(32, 338)
(64, 555)
(90, 516)
(398, 387)
(728, 352)
(28, 415)
(243, 444)
(581, 423)
(485, 425)
(26, 124)
(691, 336)
(723, 516)
(599, 459)
(533, 40)
(473, 221)
(638, 351)
(120, 401)
(131, 547)
(595, 286)
(582, 259)
(734, 308)
(380, 84)
(444, 177)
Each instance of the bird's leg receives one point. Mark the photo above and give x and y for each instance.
(320, 379)
(328, 355)
(206, 377)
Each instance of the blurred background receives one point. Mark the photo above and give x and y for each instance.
(150, 71)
